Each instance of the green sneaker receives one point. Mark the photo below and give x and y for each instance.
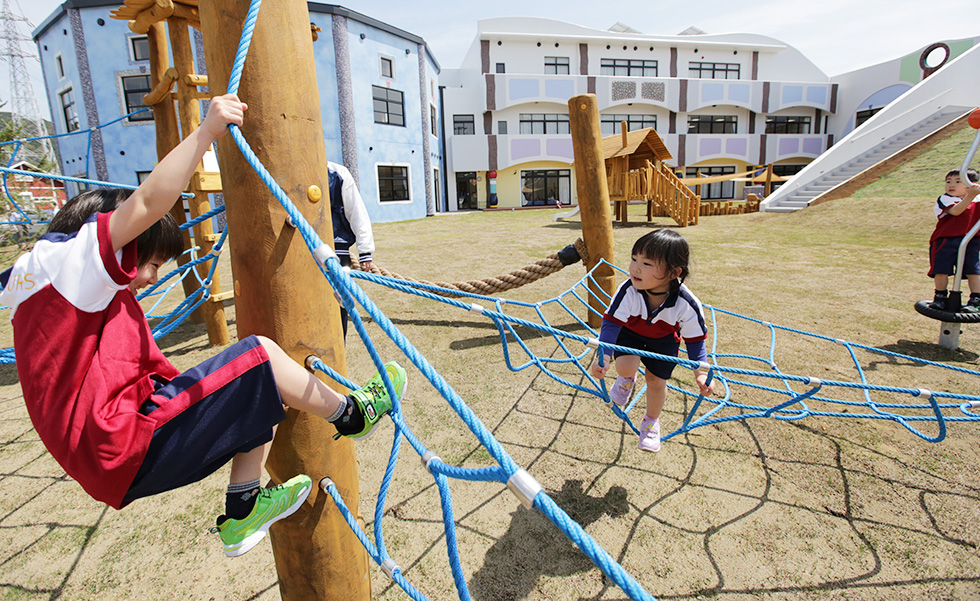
(373, 400)
(272, 505)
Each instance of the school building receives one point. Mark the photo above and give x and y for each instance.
(379, 99)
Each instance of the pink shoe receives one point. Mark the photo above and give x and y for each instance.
(620, 391)
(650, 434)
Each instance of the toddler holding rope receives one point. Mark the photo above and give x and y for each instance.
(111, 409)
(652, 311)
(957, 212)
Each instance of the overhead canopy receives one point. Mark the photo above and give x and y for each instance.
(641, 145)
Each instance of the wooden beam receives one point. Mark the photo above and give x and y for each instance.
(162, 88)
(160, 10)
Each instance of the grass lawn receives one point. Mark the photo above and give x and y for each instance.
(822, 508)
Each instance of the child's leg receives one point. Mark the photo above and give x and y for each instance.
(627, 366)
(656, 395)
(941, 280)
(974, 282)
(298, 388)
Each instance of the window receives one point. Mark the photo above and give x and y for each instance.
(433, 120)
(392, 183)
(717, 189)
(68, 109)
(628, 67)
(436, 188)
(714, 70)
(134, 88)
(389, 106)
(712, 124)
(387, 67)
(787, 125)
(60, 65)
(501, 68)
(556, 65)
(502, 128)
(545, 187)
(464, 125)
(139, 48)
(141, 176)
(864, 115)
(610, 124)
(544, 123)
(785, 171)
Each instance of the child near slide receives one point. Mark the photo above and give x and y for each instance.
(956, 213)
(110, 408)
(652, 311)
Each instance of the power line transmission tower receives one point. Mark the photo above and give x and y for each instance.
(24, 111)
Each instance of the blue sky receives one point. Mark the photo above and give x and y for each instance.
(837, 35)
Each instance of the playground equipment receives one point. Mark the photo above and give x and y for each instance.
(951, 316)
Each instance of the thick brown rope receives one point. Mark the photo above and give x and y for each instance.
(515, 279)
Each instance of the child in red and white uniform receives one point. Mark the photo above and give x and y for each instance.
(957, 212)
(653, 311)
(111, 409)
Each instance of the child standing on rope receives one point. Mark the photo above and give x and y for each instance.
(957, 212)
(117, 416)
(652, 311)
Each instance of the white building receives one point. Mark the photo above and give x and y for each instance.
(722, 104)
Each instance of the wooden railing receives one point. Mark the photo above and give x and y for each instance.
(656, 184)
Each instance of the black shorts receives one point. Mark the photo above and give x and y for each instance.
(943, 253)
(235, 418)
(668, 345)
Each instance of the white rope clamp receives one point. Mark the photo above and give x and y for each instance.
(427, 459)
(592, 342)
(324, 252)
(705, 366)
(923, 393)
(476, 308)
(524, 487)
(811, 381)
(389, 566)
(325, 483)
(310, 361)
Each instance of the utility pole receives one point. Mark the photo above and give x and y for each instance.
(23, 107)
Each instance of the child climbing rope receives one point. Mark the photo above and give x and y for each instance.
(111, 409)
(650, 312)
(956, 212)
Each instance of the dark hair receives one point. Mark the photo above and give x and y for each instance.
(970, 173)
(162, 240)
(668, 247)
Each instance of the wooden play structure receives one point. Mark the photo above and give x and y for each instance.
(149, 17)
(636, 171)
(317, 556)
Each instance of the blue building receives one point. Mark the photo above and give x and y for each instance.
(379, 96)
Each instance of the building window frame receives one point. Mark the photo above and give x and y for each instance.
(464, 125)
(544, 124)
(557, 65)
(139, 48)
(628, 67)
(433, 120)
(712, 124)
(394, 181)
(609, 124)
(66, 98)
(389, 106)
(716, 190)
(502, 127)
(712, 70)
(386, 67)
(131, 96)
(500, 68)
(790, 124)
(863, 115)
(542, 187)
(59, 65)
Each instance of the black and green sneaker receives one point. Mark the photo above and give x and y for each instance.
(373, 401)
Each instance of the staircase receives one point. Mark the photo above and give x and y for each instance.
(802, 197)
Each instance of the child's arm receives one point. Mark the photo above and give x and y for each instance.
(697, 352)
(155, 196)
(971, 193)
(608, 333)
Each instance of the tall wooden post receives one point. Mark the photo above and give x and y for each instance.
(593, 198)
(211, 311)
(279, 291)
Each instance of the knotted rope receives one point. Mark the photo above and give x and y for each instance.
(573, 253)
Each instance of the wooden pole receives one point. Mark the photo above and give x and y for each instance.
(165, 123)
(212, 311)
(279, 291)
(593, 198)
(768, 180)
